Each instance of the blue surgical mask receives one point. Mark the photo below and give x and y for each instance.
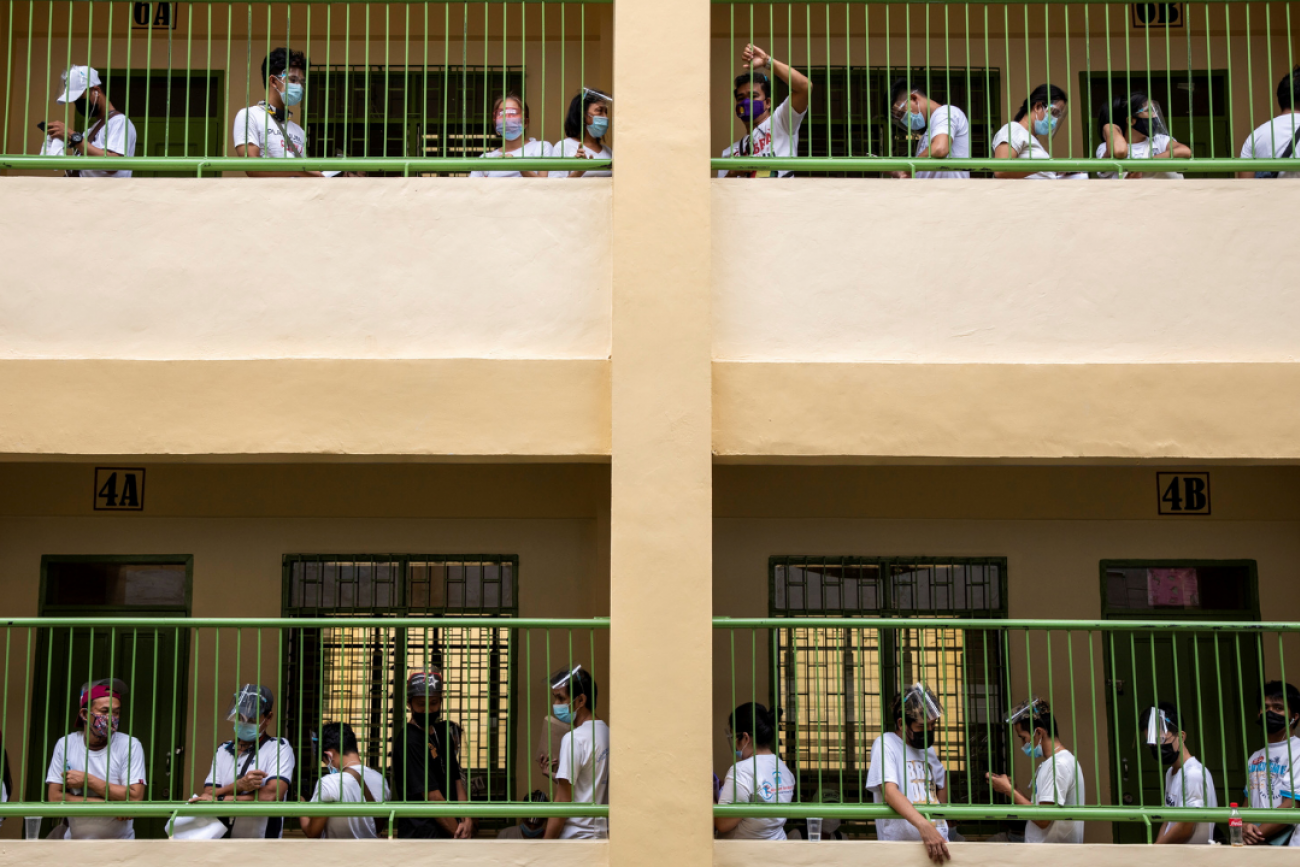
(246, 732)
(916, 121)
(532, 833)
(598, 127)
(740, 755)
(563, 713)
(1034, 751)
(293, 93)
(510, 130)
(332, 769)
(1045, 126)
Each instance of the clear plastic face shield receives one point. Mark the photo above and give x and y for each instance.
(562, 681)
(598, 94)
(921, 704)
(1026, 711)
(1158, 728)
(249, 704)
(1154, 118)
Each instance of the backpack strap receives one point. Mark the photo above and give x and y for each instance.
(89, 136)
(352, 772)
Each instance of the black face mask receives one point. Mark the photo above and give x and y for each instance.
(1167, 754)
(918, 740)
(1273, 721)
(1140, 125)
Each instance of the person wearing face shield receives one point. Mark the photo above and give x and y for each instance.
(109, 133)
(267, 130)
(585, 128)
(582, 776)
(345, 780)
(944, 129)
(906, 770)
(768, 133)
(1132, 127)
(1273, 772)
(1058, 780)
(426, 761)
(758, 776)
(1187, 782)
(510, 115)
(252, 766)
(1039, 119)
(1279, 137)
(530, 828)
(96, 763)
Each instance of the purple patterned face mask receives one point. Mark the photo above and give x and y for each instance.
(751, 109)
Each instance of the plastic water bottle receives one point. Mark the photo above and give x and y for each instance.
(1234, 827)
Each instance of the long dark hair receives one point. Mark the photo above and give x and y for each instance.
(756, 721)
(1044, 93)
(576, 119)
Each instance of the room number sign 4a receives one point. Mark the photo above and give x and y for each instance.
(119, 489)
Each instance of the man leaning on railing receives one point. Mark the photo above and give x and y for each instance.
(266, 129)
(110, 134)
(95, 763)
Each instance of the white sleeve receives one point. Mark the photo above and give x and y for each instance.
(561, 149)
(875, 779)
(327, 789)
(1194, 784)
(1054, 783)
(58, 763)
(937, 771)
(137, 774)
(567, 759)
(787, 119)
(1000, 138)
(211, 778)
(1248, 147)
(115, 138)
(733, 790)
(1160, 144)
(246, 130)
(942, 123)
(282, 765)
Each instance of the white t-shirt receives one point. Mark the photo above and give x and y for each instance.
(254, 125)
(341, 787)
(758, 780)
(778, 136)
(1271, 139)
(1059, 780)
(950, 121)
(531, 149)
(1025, 147)
(584, 763)
(1192, 786)
(1268, 783)
(275, 757)
(1143, 150)
(918, 775)
(118, 136)
(569, 147)
(121, 763)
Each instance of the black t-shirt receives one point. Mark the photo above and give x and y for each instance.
(425, 762)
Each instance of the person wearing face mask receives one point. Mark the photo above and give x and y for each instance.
(1058, 780)
(1272, 773)
(96, 763)
(1132, 128)
(585, 127)
(109, 134)
(426, 761)
(1187, 782)
(757, 777)
(944, 129)
(266, 130)
(1040, 117)
(768, 133)
(252, 766)
(510, 115)
(528, 829)
(344, 780)
(906, 771)
(582, 776)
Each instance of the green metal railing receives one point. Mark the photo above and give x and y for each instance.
(399, 87)
(1214, 69)
(178, 678)
(831, 681)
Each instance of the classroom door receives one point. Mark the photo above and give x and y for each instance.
(1210, 678)
(175, 113)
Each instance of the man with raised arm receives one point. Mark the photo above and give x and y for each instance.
(768, 133)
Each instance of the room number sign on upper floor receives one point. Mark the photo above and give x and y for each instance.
(119, 489)
(1183, 493)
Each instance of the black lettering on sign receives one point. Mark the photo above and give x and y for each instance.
(119, 489)
(1183, 493)
(1157, 15)
(154, 15)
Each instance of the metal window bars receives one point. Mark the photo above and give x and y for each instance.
(402, 87)
(1214, 68)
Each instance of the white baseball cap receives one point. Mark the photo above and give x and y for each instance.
(77, 80)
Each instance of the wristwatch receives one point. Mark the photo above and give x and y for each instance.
(75, 140)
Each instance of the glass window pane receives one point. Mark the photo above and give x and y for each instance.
(142, 585)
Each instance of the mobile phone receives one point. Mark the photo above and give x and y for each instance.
(41, 126)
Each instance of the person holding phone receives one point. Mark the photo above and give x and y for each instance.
(109, 134)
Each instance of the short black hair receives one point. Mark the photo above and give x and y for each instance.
(576, 119)
(1044, 93)
(280, 60)
(747, 78)
(1284, 692)
(1038, 718)
(1170, 712)
(1288, 89)
(758, 722)
(579, 682)
(339, 737)
(904, 87)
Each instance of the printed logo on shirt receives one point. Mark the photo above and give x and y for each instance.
(920, 785)
(1267, 782)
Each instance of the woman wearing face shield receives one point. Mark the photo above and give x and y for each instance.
(905, 771)
(758, 776)
(510, 115)
(1133, 128)
(585, 128)
(1058, 780)
(1040, 117)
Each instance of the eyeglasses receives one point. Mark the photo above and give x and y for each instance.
(509, 113)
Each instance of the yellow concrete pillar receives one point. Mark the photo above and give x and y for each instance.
(661, 497)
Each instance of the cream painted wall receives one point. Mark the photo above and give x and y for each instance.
(999, 272)
(418, 268)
